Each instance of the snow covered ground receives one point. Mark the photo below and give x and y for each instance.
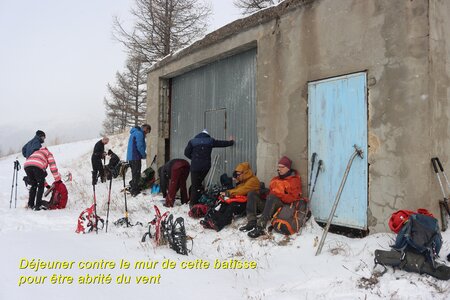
(287, 268)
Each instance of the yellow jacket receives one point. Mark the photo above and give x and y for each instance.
(247, 181)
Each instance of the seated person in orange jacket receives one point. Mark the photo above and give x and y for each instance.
(234, 200)
(284, 189)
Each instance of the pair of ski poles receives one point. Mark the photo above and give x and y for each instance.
(14, 180)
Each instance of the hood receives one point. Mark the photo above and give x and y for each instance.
(134, 129)
(244, 167)
(202, 135)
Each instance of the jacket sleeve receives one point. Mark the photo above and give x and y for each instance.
(221, 144)
(287, 191)
(188, 150)
(24, 151)
(252, 184)
(140, 144)
(98, 149)
(52, 166)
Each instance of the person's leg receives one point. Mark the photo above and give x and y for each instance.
(184, 174)
(254, 204)
(33, 187)
(94, 170)
(197, 186)
(40, 178)
(135, 166)
(173, 186)
(272, 204)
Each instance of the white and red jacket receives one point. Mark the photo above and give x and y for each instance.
(43, 158)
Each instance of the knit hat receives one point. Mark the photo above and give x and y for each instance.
(40, 133)
(285, 161)
(205, 131)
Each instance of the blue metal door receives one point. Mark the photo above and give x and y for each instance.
(338, 120)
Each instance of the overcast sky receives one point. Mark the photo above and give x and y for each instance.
(56, 57)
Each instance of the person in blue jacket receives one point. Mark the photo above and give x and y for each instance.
(198, 150)
(34, 144)
(136, 152)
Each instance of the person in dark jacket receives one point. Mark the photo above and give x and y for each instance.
(198, 150)
(135, 152)
(113, 167)
(96, 159)
(172, 177)
(34, 144)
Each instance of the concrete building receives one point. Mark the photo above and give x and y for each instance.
(319, 76)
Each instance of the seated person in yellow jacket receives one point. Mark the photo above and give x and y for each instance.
(235, 199)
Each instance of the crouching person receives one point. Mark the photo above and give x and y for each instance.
(235, 201)
(35, 167)
(172, 177)
(284, 189)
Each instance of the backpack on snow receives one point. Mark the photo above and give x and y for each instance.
(288, 218)
(420, 234)
(59, 196)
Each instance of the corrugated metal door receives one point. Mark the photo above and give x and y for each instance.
(337, 121)
(222, 96)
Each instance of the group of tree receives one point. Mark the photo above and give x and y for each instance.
(160, 27)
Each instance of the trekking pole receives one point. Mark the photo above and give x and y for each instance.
(213, 170)
(125, 196)
(313, 160)
(319, 167)
(95, 210)
(357, 152)
(12, 185)
(443, 172)
(17, 168)
(109, 200)
(435, 162)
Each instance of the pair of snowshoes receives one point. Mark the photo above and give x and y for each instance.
(410, 261)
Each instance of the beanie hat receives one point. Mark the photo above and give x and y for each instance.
(40, 133)
(285, 161)
(205, 131)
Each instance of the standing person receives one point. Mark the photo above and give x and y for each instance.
(35, 167)
(34, 144)
(96, 159)
(284, 189)
(136, 152)
(172, 177)
(198, 150)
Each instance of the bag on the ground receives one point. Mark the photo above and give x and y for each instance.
(411, 262)
(420, 234)
(147, 179)
(288, 218)
(400, 217)
(59, 196)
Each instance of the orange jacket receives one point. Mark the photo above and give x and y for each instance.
(247, 181)
(288, 189)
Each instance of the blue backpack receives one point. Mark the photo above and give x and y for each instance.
(420, 234)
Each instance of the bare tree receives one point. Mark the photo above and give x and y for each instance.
(126, 104)
(251, 6)
(162, 27)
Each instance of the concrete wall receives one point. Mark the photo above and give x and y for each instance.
(301, 41)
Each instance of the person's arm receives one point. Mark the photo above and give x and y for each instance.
(140, 144)
(52, 166)
(222, 143)
(188, 150)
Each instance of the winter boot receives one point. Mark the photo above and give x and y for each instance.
(248, 227)
(256, 232)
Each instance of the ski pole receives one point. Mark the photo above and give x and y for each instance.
(12, 185)
(109, 200)
(319, 167)
(442, 170)
(213, 170)
(308, 204)
(95, 211)
(313, 160)
(17, 167)
(434, 162)
(125, 196)
(357, 152)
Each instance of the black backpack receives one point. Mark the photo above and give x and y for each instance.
(420, 234)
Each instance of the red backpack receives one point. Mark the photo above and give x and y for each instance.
(59, 196)
(400, 217)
